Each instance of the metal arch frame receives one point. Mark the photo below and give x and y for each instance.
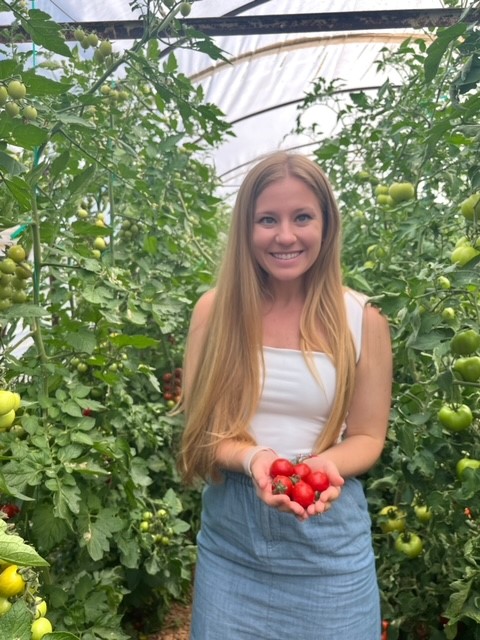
(276, 24)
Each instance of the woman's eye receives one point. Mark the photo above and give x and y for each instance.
(267, 221)
(304, 217)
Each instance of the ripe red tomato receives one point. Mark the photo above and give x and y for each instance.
(282, 467)
(303, 493)
(282, 484)
(302, 470)
(318, 480)
(10, 510)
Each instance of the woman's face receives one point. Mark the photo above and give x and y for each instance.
(287, 229)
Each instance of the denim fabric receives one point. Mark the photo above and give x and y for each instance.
(264, 575)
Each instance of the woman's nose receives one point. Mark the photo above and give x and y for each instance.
(285, 234)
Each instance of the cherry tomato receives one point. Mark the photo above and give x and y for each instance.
(282, 484)
(40, 628)
(282, 467)
(303, 494)
(409, 544)
(10, 510)
(318, 480)
(11, 582)
(301, 470)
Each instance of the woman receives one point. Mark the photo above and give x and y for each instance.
(283, 361)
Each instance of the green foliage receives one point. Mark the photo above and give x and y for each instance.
(422, 128)
(118, 151)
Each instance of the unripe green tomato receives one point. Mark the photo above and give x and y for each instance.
(16, 90)
(465, 342)
(7, 265)
(455, 418)
(99, 243)
(16, 253)
(82, 367)
(468, 368)
(401, 191)
(466, 463)
(409, 544)
(469, 206)
(392, 519)
(185, 9)
(97, 254)
(7, 401)
(19, 297)
(92, 39)
(6, 420)
(162, 514)
(5, 605)
(79, 35)
(463, 254)
(3, 94)
(423, 513)
(448, 314)
(12, 109)
(147, 515)
(443, 282)
(40, 608)
(40, 628)
(144, 526)
(29, 113)
(105, 48)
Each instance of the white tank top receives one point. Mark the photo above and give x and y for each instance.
(293, 407)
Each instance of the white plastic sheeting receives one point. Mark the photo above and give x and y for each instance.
(268, 75)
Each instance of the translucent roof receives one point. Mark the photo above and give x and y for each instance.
(269, 74)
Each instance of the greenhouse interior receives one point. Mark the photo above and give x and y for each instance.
(127, 129)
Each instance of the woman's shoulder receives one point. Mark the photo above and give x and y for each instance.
(203, 307)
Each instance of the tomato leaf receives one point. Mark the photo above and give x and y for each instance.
(45, 32)
(15, 551)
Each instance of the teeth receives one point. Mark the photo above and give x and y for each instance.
(286, 256)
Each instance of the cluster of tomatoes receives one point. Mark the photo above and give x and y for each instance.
(12, 98)
(172, 386)
(15, 272)
(298, 481)
(9, 405)
(13, 586)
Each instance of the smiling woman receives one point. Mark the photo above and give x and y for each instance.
(282, 361)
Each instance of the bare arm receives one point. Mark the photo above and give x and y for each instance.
(367, 419)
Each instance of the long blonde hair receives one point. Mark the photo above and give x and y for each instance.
(225, 388)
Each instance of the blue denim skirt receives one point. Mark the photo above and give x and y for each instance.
(264, 575)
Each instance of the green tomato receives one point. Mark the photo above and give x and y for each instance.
(147, 515)
(16, 90)
(466, 463)
(455, 417)
(443, 282)
(410, 544)
(7, 265)
(468, 368)
(40, 608)
(448, 314)
(465, 342)
(7, 401)
(469, 206)
(6, 420)
(463, 254)
(144, 526)
(423, 513)
(16, 253)
(392, 519)
(401, 191)
(5, 605)
(40, 627)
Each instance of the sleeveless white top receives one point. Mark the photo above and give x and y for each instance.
(294, 407)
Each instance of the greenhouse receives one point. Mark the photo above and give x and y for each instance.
(127, 130)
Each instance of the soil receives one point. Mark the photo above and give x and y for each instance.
(177, 624)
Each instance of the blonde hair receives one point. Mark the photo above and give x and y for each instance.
(225, 388)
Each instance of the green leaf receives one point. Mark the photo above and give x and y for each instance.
(17, 622)
(139, 342)
(15, 550)
(10, 164)
(28, 136)
(20, 190)
(438, 47)
(82, 341)
(97, 530)
(51, 531)
(45, 32)
(85, 177)
(39, 85)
